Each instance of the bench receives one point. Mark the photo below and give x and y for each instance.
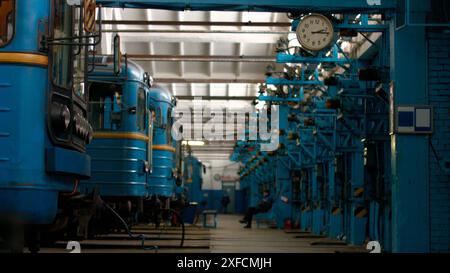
(267, 218)
(205, 215)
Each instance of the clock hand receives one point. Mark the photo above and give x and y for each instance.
(320, 32)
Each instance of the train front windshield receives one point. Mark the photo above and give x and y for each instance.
(61, 53)
(141, 110)
(7, 13)
(63, 58)
(106, 106)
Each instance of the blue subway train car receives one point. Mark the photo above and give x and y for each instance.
(43, 108)
(119, 116)
(121, 148)
(193, 180)
(133, 155)
(161, 181)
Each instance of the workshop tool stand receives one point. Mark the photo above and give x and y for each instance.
(205, 215)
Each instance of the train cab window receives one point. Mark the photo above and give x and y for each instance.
(7, 10)
(158, 118)
(169, 127)
(105, 106)
(141, 110)
(62, 54)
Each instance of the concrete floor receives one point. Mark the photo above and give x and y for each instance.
(231, 237)
(228, 237)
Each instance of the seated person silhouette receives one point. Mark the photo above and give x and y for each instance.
(264, 206)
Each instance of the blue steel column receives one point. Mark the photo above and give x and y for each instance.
(317, 213)
(334, 214)
(357, 218)
(282, 174)
(305, 217)
(409, 153)
(284, 189)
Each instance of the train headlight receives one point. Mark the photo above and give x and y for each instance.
(60, 116)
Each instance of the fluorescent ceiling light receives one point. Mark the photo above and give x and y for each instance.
(193, 143)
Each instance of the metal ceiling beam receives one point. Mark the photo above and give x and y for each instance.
(217, 98)
(217, 149)
(208, 37)
(355, 6)
(213, 152)
(207, 80)
(195, 31)
(201, 58)
(209, 153)
(195, 23)
(212, 155)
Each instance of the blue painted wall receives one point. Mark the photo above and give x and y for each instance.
(439, 97)
(213, 198)
(241, 202)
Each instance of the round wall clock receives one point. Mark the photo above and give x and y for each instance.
(315, 32)
(217, 177)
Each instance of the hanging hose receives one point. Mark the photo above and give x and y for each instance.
(74, 191)
(140, 236)
(182, 225)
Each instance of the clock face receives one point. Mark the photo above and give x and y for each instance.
(315, 32)
(217, 177)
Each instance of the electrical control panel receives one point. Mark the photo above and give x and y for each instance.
(413, 119)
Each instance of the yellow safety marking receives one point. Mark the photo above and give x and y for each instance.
(361, 212)
(336, 211)
(358, 192)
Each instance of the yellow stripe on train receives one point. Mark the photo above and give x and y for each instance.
(23, 58)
